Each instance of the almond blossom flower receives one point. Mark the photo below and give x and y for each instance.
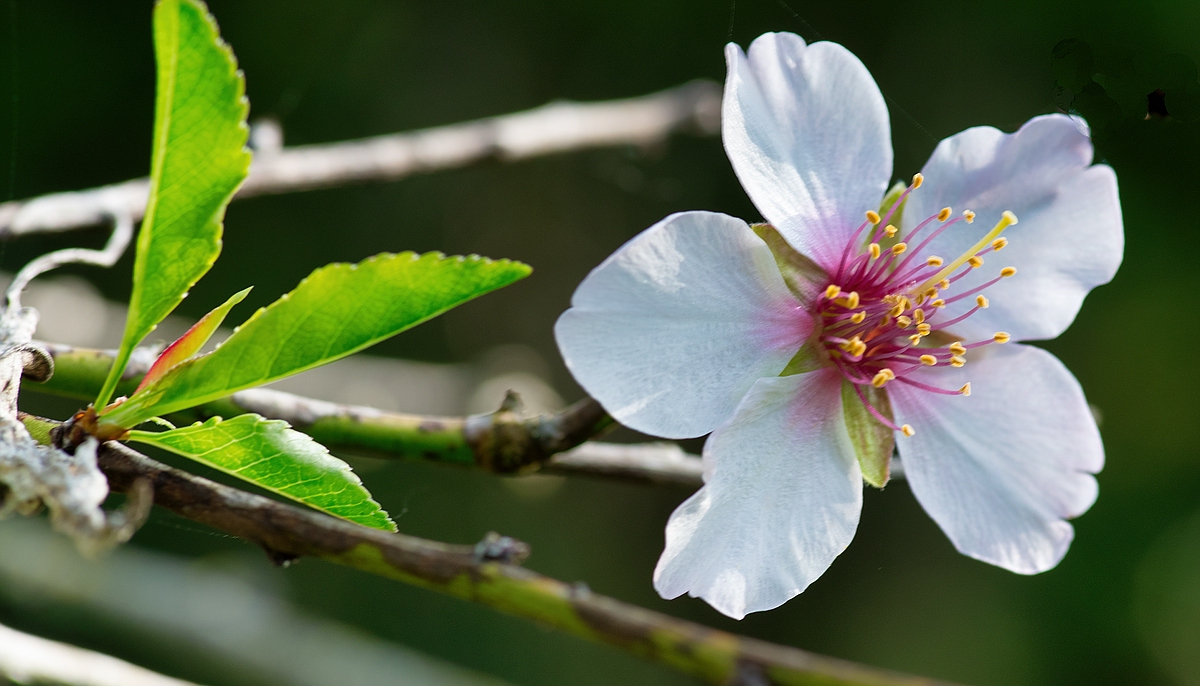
(853, 323)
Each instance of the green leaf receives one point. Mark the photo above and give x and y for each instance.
(198, 161)
(338, 310)
(873, 442)
(270, 454)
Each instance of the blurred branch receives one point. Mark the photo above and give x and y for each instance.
(28, 659)
(551, 128)
(504, 441)
(107, 257)
(482, 574)
(658, 462)
(151, 600)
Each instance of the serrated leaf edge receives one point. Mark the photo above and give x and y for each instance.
(348, 266)
(127, 343)
(153, 438)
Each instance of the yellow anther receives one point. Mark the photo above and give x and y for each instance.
(905, 303)
(975, 261)
(852, 300)
(918, 179)
(939, 303)
(969, 216)
(999, 244)
(857, 317)
(904, 322)
(957, 348)
(1007, 219)
(924, 329)
(873, 216)
(833, 291)
(1008, 271)
(890, 231)
(899, 248)
(854, 346)
(896, 311)
(1001, 337)
(907, 430)
(929, 360)
(966, 389)
(930, 294)
(944, 214)
(874, 250)
(934, 261)
(884, 376)
(918, 316)
(957, 361)
(884, 320)
(982, 302)
(915, 339)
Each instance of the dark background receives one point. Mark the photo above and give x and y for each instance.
(1123, 607)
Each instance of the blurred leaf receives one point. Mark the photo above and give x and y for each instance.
(190, 342)
(1073, 64)
(1178, 78)
(268, 453)
(1101, 112)
(1183, 103)
(338, 310)
(1126, 90)
(1128, 87)
(198, 161)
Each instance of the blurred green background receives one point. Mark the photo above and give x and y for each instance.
(1123, 607)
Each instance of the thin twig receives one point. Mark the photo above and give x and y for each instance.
(30, 659)
(657, 462)
(503, 442)
(107, 257)
(551, 128)
(481, 574)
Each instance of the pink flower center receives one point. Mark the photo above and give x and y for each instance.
(882, 313)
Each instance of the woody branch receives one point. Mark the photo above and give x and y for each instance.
(486, 573)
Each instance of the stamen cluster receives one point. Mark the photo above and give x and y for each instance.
(882, 314)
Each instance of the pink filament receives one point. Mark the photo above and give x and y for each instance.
(878, 338)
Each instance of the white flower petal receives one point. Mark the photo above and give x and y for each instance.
(1069, 238)
(673, 328)
(782, 501)
(807, 132)
(1000, 470)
